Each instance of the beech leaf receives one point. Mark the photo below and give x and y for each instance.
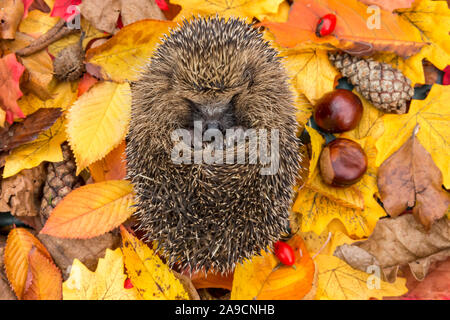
(409, 178)
(91, 210)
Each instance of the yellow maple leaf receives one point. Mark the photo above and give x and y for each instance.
(320, 204)
(98, 121)
(432, 20)
(106, 283)
(228, 8)
(433, 116)
(62, 95)
(152, 278)
(262, 278)
(47, 147)
(124, 55)
(91, 210)
(338, 281)
(310, 70)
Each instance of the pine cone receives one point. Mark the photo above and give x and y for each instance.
(386, 87)
(60, 181)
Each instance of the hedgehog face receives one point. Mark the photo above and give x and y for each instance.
(222, 73)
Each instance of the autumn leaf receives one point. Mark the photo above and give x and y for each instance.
(236, 8)
(398, 242)
(28, 130)
(44, 281)
(90, 121)
(212, 280)
(86, 83)
(102, 14)
(261, 278)
(18, 246)
(152, 278)
(355, 31)
(91, 210)
(37, 23)
(433, 117)
(47, 147)
(106, 283)
(10, 16)
(389, 5)
(10, 73)
(338, 281)
(132, 46)
(409, 178)
(65, 9)
(112, 167)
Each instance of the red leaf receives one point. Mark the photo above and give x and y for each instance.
(86, 83)
(10, 73)
(162, 4)
(26, 6)
(63, 9)
(446, 80)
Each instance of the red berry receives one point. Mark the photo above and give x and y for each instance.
(284, 253)
(162, 5)
(127, 284)
(326, 25)
(446, 80)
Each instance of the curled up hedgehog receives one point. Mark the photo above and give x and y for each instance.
(213, 74)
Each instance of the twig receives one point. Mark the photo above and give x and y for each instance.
(59, 30)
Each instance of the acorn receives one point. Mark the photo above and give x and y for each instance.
(342, 163)
(338, 111)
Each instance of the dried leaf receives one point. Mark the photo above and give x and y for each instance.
(134, 44)
(102, 14)
(6, 292)
(356, 31)
(409, 178)
(106, 283)
(91, 210)
(433, 117)
(47, 147)
(397, 242)
(88, 251)
(112, 167)
(10, 16)
(262, 279)
(29, 129)
(21, 194)
(91, 119)
(135, 10)
(18, 246)
(44, 280)
(212, 280)
(37, 23)
(10, 73)
(86, 83)
(152, 278)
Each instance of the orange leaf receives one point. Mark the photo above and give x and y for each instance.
(10, 73)
(91, 210)
(263, 279)
(356, 31)
(44, 281)
(112, 167)
(86, 83)
(18, 246)
(389, 5)
(212, 280)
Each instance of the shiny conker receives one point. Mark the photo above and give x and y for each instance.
(342, 163)
(338, 111)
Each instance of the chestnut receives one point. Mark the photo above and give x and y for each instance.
(338, 111)
(342, 163)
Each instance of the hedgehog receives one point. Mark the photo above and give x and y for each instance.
(211, 216)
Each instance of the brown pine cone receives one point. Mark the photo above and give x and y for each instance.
(386, 87)
(60, 181)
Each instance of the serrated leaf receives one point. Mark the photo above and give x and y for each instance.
(47, 147)
(44, 281)
(262, 278)
(152, 278)
(18, 246)
(91, 210)
(106, 283)
(433, 116)
(98, 122)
